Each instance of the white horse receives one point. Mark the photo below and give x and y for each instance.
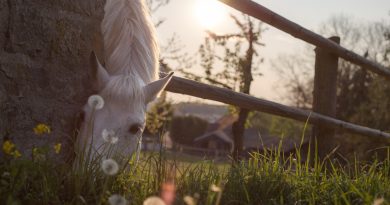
(127, 82)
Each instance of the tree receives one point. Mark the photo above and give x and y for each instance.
(184, 129)
(238, 70)
(362, 97)
(154, 6)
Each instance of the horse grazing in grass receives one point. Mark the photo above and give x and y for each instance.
(127, 82)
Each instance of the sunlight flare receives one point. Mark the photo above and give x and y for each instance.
(209, 13)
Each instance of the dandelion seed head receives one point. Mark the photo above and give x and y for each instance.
(154, 200)
(117, 199)
(109, 136)
(96, 102)
(110, 167)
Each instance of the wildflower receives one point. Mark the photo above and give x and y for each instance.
(57, 148)
(110, 167)
(96, 102)
(16, 154)
(117, 200)
(189, 200)
(215, 188)
(8, 147)
(109, 136)
(42, 129)
(154, 200)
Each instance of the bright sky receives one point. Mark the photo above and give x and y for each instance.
(183, 19)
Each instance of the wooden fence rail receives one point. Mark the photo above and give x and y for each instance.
(193, 88)
(260, 12)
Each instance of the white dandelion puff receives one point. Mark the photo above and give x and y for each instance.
(96, 102)
(215, 188)
(109, 136)
(154, 200)
(110, 167)
(117, 199)
(189, 200)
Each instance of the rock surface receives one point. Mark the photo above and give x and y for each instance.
(44, 73)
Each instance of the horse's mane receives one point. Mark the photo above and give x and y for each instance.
(124, 88)
(130, 42)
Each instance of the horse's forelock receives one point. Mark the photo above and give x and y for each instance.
(127, 89)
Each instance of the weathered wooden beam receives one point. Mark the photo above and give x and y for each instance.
(260, 12)
(325, 96)
(193, 88)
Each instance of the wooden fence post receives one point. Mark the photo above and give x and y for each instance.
(324, 96)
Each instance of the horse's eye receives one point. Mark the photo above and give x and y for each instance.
(134, 129)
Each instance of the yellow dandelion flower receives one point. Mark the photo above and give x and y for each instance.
(57, 148)
(16, 154)
(42, 129)
(8, 147)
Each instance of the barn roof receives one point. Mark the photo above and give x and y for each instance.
(218, 133)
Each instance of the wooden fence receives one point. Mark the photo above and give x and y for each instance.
(328, 52)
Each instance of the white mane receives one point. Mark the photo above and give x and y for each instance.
(124, 88)
(130, 46)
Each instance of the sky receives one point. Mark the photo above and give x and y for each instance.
(182, 20)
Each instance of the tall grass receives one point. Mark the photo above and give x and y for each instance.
(266, 178)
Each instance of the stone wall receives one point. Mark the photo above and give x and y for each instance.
(44, 73)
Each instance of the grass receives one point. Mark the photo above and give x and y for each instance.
(267, 178)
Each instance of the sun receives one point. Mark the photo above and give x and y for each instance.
(209, 13)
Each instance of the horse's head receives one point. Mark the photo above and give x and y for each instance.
(121, 120)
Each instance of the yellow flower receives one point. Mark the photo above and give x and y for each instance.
(57, 148)
(16, 154)
(8, 147)
(41, 129)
